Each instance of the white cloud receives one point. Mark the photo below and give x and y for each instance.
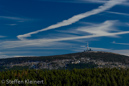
(18, 19)
(96, 1)
(75, 18)
(105, 1)
(32, 43)
(58, 43)
(125, 14)
(123, 52)
(31, 48)
(12, 24)
(2, 36)
(3, 56)
(12, 18)
(120, 43)
(103, 29)
(125, 2)
(106, 29)
(127, 24)
(81, 1)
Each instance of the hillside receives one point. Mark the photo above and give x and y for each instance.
(89, 59)
(105, 56)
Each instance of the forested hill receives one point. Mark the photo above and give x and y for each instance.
(105, 56)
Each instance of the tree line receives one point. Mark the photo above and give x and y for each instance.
(75, 77)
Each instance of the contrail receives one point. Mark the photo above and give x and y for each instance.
(75, 18)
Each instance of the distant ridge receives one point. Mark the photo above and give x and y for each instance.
(97, 55)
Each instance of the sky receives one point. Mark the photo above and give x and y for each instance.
(55, 27)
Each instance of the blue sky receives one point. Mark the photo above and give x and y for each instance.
(53, 27)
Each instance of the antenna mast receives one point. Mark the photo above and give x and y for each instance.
(87, 46)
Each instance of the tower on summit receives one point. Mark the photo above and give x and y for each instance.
(88, 48)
